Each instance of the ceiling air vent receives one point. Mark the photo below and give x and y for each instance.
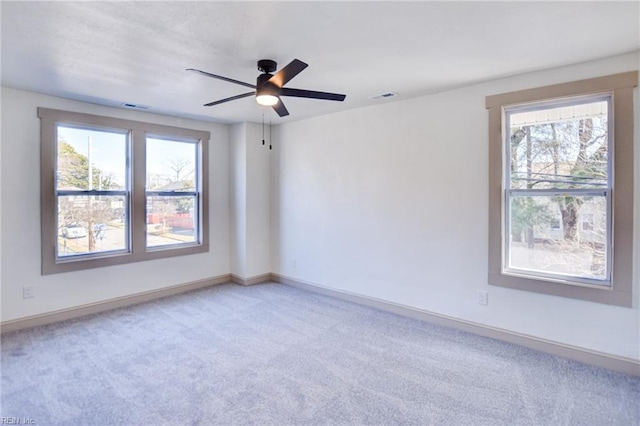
(384, 95)
(133, 106)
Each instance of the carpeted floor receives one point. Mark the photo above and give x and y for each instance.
(276, 355)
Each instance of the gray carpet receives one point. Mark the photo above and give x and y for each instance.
(276, 355)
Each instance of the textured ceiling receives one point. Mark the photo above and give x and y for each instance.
(136, 52)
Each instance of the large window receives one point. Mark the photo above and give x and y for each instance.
(118, 191)
(561, 189)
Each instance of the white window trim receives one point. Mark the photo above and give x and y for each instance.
(620, 290)
(49, 118)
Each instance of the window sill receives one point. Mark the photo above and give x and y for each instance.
(121, 259)
(598, 294)
(606, 285)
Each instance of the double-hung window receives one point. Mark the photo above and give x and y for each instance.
(557, 174)
(92, 191)
(172, 191)
(117, 191)
(561, 189)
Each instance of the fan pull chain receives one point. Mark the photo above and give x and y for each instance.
(263, 128)
(270, 134)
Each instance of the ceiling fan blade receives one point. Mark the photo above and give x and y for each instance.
(287, 73)
(232, 98)
(299, 93)
(219, 77)
(280, 109)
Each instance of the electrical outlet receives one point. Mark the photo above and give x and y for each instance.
(27, 292)
(483, 298)
(294, 263)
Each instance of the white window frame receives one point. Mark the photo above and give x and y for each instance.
(170, 194)
(135, 193)
(509, 192)
(126, 193)
(620, 289)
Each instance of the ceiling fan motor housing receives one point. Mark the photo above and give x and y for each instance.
(267, 66)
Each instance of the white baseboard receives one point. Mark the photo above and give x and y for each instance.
(119, 302)
(586, 356)
(258, 279)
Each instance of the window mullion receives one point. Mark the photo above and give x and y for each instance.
(138, 197)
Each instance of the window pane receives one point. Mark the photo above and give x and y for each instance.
(171, 165)
(91, 224)
(562, 147)
(91, 159)
(171, 220)
(548, 235)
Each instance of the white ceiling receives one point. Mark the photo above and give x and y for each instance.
(115, 52)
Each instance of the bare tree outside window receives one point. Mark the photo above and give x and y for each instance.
(181, 167)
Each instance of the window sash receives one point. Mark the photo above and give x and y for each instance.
(509, 194)
(196, 219)
(559, 103)
(103, 253)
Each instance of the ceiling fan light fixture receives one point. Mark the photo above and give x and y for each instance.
(266, 94)
(267, 99)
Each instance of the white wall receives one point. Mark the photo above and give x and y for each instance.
(250, 201)
(258, 202)
(238, 199)
(390, 202)
(20, 209)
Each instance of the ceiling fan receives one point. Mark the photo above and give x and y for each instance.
(269, 87)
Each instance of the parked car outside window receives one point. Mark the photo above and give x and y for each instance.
(74, 230)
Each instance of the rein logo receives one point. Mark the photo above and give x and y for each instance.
(17, 421)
